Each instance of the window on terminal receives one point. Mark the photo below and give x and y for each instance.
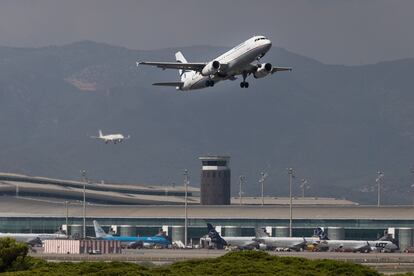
(219, 163)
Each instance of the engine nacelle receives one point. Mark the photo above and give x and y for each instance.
(263, 70)
(211, 68)
(262, 246)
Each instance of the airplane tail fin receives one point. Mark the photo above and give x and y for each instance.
(99, 232)
(100, 134)
(318, 231)
(179, 57)
(215, 236)
(261, 233)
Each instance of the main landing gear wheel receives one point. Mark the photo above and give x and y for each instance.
(244, 84)
(209, 83)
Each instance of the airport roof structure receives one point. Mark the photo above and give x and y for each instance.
(128, 194)
(24, 207)
(14, 184)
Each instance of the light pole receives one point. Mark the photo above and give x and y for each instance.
(83, 173)
(412, 185)
(303, 186)
(380, 175)
(291, 176)
(242, 178)
(261, 181)
(185, 206)
(67, 215)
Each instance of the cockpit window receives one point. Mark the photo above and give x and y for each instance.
(260, 38)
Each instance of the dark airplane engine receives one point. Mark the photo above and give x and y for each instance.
(211, 68)
(263, 70)
(262, 246)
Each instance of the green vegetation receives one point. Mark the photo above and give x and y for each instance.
(12, 255)
(13, 261)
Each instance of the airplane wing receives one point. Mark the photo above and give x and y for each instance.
(363, 247)
(194, 66)
(174, 84)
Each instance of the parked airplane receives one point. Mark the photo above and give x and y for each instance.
(241, 60)
(131, 242)
(284, 243)
(239, 242)
(384, 244)
(33, 238)
(115, 138)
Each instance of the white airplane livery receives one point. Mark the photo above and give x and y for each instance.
(241, 60)
(33, 239)
(114, 138)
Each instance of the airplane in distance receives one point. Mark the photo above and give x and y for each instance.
(241, 60)
(131, 241)
(238, 242)
(33, 238)
(114, 138)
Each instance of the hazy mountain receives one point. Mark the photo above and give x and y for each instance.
(336, 125)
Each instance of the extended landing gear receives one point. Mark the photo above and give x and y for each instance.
(244, 83)
(209, 83)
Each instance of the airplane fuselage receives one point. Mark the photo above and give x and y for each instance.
(236, 60)
(357, 245)
(150, 240)
(27, 237)
(241, 242)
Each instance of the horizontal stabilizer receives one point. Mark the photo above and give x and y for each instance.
(174, 84)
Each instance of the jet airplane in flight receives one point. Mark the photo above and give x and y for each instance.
(114, 138)
(241, 60)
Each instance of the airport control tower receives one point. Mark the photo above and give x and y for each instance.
(215, 180)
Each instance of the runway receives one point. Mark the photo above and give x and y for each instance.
(383, 262)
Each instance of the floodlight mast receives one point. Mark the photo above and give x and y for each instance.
(242, 178)
(185, 206)
(380, 175)
(84, 180)
(261, 181)
(291, 174)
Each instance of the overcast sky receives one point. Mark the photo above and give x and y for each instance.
(340, 32)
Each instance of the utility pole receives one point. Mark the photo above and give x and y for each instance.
(261, 181)
(185, 206)
(378, 180)
(242, 178)
(303, 186)
(67, 216)
(291, 174)
(412, 185)
(84, 179)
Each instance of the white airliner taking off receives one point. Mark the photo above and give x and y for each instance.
(115, 138)
(241, 60)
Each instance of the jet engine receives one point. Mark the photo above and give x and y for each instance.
(211, 68)
(263, 70)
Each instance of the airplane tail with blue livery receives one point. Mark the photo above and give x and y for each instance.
(99, 232)
(215, 236)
